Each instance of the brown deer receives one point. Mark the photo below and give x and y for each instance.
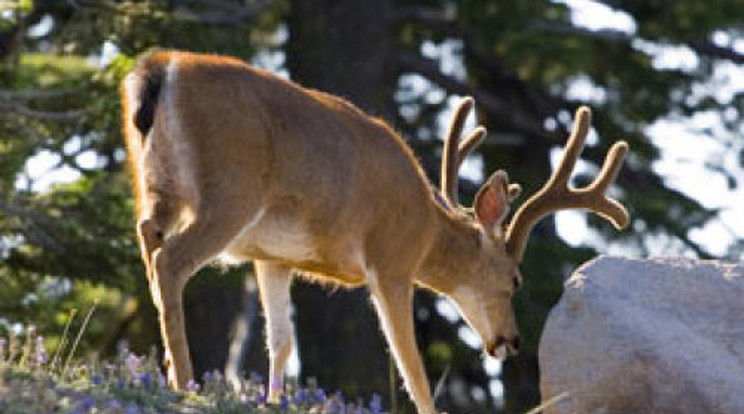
(234, 164)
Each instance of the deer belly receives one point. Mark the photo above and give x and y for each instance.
(271, 238)
(288, 242)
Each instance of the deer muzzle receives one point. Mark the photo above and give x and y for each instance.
(503, 347)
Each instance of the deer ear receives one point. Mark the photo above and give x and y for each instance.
(492, 202)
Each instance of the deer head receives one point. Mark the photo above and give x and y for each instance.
(489, 279)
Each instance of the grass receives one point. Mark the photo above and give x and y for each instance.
(32, 382)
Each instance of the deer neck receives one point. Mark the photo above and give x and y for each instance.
(453, 249)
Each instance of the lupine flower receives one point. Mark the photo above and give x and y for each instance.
(132, 409)
(375, 404)
(86, 404)
(145, 379)
(320, 396)
(96, 380)
(301, 397)
(132, 363)
(162, 382)
(113, 405)
(41, 356)
(283, 402)
(192, 386)
(334, 406)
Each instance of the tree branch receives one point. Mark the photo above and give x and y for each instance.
(445, 23)
(42, 115)
(27, 94)
(701, 47)
(501, 110)
(36, 233)
(232, 18)
(712, 50)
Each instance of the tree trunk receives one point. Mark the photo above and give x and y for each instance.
(344, 48)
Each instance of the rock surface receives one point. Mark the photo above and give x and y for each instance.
(647, 336)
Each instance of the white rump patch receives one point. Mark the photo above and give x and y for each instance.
(182, 154)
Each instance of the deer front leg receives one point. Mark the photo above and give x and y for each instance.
(273, 284)
(394, 305)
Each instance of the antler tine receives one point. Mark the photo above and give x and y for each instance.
(450, 162)
(469, 144)
(611, 209)
(556, 194)
(573, 148)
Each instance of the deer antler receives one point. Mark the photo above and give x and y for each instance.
(556, 195)
(455, 152)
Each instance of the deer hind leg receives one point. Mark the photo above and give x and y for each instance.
(173, 263)
(273, 284)
(394, 305)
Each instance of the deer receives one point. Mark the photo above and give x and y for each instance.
(231, 163)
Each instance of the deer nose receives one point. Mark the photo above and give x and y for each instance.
(503, 347)
(513, 346)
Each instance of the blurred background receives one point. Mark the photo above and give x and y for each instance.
(665, 75)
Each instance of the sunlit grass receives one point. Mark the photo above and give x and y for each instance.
(33, 382)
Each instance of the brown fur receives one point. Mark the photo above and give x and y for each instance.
(242, 165)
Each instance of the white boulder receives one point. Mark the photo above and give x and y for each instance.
(646, 336)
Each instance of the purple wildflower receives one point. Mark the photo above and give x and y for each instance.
(145, 379)
(131, 409)
(283, 402)
(41, 353)
(132, 363)
(96, 380)
(192, 386)
(301, 397)
(162, 382)
(334, 406)
(113, 405)
(86, 404)
(375, 404)
(261, 398)
(319, 395)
